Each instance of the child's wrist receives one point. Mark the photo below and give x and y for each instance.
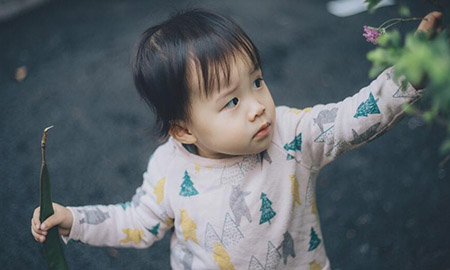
(68, 221)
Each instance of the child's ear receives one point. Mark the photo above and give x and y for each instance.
(181, 133)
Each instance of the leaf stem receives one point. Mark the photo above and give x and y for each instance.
(395, 21)
(43, 141)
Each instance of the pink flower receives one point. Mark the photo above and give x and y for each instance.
(371, 34)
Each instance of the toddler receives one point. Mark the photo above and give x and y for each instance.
(236, 177)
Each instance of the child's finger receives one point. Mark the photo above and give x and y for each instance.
(50, 222)
(36, 228)
(38, 235)
(35, 222)
(430, 22)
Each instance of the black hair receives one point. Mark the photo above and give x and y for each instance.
(164, 54)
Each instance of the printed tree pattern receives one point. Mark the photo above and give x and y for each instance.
(154, 229)
(314, 240)
(367, 107)
(295, 144)
(188, 227)
(314, 266)
(295, 190)
(409, 92)
(250, 162)
(238, 205)
(222, 258)
(339, 148)
(265, 156)
(287, 247)
(231, 235)
(325, 117)
(211, 237)
(314, 210)
(289, 157)
(365, 136)
(273, 258)
(93, 216)
(234, 174)
(326, 136)
(267, 213)
(255, 264)
(187, 187)
(132, 235)
(136, 200)
(197, 168)
(297, 111)
(159, 189)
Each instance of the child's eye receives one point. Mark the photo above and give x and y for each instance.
(232, 103)
(257, 83)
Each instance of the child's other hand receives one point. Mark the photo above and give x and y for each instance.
(62, 218)
(431, 24)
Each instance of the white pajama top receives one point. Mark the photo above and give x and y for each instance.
(249, 212)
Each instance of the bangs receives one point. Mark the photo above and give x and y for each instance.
(214, 51)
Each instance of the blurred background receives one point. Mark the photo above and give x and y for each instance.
(66, 63)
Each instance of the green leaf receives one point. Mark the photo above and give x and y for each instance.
(52, 246)
(445, 147)
(404, 11)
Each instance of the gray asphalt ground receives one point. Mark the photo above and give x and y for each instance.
(383, 206)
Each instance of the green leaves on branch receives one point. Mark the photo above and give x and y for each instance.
(419, 59)
(387, 54)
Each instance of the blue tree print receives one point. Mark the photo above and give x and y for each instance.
(155, 229)
(267, 213)
(187, 187)
(314, 240)
(295, 144)
(367, 107)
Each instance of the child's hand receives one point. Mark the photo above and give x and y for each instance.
(62, 218)
(431, 24)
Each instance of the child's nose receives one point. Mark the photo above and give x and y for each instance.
(256, 110)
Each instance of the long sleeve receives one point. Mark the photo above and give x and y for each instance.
(323, 132)
(138, 223)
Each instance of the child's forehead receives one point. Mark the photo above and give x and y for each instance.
(220, 74)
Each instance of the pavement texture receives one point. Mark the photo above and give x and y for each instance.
(382, 206)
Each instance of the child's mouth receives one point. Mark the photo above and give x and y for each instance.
(263, 131)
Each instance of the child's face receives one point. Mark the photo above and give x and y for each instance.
(239, 119)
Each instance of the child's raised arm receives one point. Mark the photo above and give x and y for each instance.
(326, 131)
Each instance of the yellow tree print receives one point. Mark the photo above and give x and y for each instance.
(295, 190)
(222, 258)
(188, 226)
(159, 190)
(314, 209)
(314, 266)
(132, 235)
